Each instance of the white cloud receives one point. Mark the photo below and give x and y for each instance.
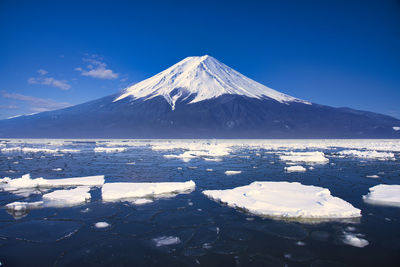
(36, 104)
(42, 72)
(62, 84)
(97, 69)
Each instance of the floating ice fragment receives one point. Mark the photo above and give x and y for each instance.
(233, 172)
(396, 128)
(284, 199)
(18, 206)
(354, 240)
(209, 170)
(384, 194)
(109, 149)
(57, 169)
(295, 169)
(8, 184)
(101, 225)
(166, 241)
(70, 197)
(368, 154)
(372, 176)
(306, 157)
(118, 191)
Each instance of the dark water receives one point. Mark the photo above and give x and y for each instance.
(210, 234)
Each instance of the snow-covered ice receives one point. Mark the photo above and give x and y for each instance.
(118, 191)
(306, 157)
(284, 199)
(166, 241)
(354, 240)
(232, 172)
(296, 168)
(19, 206)
(109, 149)
(101, 225)
(368, 154)
(8, 184)
(68, 197)
(383, 194)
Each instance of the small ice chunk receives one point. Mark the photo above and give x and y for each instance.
(25, 181)
(101, 225)
(209, 170)
(109, 149)
(233, 172)
(57, 169)
(354, 240)
(131, 163)
(18, 206)
(69, 197)
(284, 199)
(396, 128)
(306, 157)
(296, 168)
(383, 194)
(166, 241)
(372, 176)
(118, 191)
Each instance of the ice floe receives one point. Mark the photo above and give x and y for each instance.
(296, 168)
(166, 241)
(8, 184)
(373, 176)
(20, 206)
(285, 199)
(354, 240)
(384, 194)
(232, 172)
(306, 157)
(368, 154)
(120, 191)
(109, 149)
(68, 197)
(101, 225)
(396, 128)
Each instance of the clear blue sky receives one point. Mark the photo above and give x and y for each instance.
(338, 53)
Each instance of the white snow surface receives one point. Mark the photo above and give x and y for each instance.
(384, 194)
(296, 168)
(202, 77)
(118, 191)
(68, 197)
(306, 157)
(354, 240)
(8, 184)
(285, 199)
(368, 154)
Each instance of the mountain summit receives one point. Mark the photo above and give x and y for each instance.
(202, 78)
(200, 97)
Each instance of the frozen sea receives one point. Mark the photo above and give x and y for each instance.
(189, 229)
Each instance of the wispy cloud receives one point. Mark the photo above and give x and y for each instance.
(42, 79)
(96, 68)
(36, 104)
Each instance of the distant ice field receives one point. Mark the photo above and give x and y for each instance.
(326, 202)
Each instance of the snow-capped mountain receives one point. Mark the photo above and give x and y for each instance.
(200, 97)
(203, 78)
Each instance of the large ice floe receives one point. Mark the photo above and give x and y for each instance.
(383, 194)
(368, 154)
(68, 197)
(131, 191)
(206, 151)
(285, 199)
(8, 184)
(306, 157)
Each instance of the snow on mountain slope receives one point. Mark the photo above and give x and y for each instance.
(201, 78)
